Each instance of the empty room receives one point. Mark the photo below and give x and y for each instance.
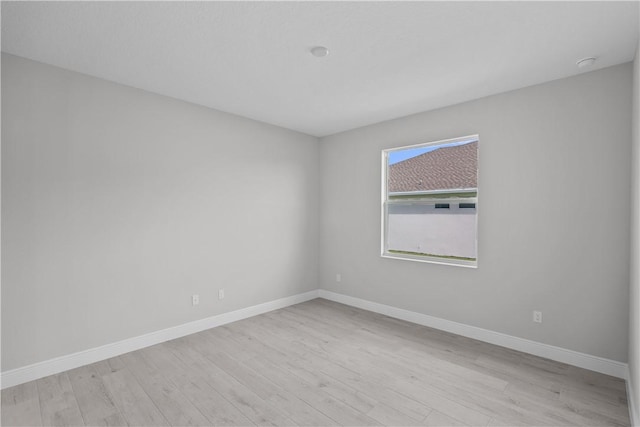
(320, 213)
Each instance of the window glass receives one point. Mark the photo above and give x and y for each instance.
(430, 196)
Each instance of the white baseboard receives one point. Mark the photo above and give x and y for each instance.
(71, 361)
(631, 400)
(81, 358)
(570, 357)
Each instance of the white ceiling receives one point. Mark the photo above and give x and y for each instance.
(386, 60)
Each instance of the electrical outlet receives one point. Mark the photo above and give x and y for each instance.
(537, 316)
(338, 277)
(221, 294)
(195, 299)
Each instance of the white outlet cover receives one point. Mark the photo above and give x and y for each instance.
(221, 294)
(537, 316)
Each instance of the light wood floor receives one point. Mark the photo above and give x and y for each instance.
(321, 363)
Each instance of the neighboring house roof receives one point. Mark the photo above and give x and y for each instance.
(441, 169)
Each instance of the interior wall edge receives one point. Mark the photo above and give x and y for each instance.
(634, 418)
(633, 383)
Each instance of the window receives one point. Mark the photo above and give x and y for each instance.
(429, 199)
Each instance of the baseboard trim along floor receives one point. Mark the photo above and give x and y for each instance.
(570, 357)
(81, 358)
(321, 363)
(64, 363)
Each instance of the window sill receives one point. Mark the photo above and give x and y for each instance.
(431, 260)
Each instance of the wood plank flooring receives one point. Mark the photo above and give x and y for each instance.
(321, 363)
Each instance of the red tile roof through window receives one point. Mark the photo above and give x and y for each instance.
(441, 169)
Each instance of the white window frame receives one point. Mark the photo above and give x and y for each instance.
(384, 205)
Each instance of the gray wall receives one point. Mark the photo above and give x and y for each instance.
(553, 214)
(634, 292)
(118, 204)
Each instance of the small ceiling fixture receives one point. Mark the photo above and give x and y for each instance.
(319, 51)
(586, 62)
